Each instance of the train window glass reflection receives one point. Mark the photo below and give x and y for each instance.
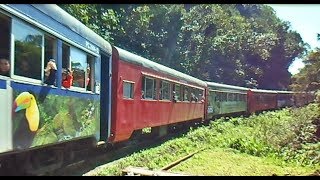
(128, 89)
(28, 43)
(79, 66)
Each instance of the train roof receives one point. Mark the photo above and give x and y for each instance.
(141, 61)
(68, 22)
(263, 91)
(285, 92)
(219, 86)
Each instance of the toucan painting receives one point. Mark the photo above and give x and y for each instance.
(28, 124)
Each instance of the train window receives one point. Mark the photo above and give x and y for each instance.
(218, 96)
(197, 95)
(65, 56)
(5, 31)
(50, 51)
(148, 87)
(90, 73)
(186, 93)
(223, 96)
(229, 97)
(79, 66)
(165, 90)
(200, 95)
(128, 89)
(28, 43)
(177, 92)
(82, 66)
(241, 97)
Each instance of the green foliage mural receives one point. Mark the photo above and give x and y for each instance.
(61, 118)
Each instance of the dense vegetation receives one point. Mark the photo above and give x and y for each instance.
(308, 79)
(284, 141)
(242, 44)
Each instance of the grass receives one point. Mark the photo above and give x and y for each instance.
(272, 143)
(227, 162)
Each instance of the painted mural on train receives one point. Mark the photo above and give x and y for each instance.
(44, 120)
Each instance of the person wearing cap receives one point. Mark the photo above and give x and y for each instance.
(50, 72)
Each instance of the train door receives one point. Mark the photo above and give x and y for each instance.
(105, 97)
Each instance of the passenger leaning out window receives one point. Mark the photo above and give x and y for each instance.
(50, 72)
(67, 78)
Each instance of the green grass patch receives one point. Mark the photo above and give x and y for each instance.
(271, 143)
(227, 162)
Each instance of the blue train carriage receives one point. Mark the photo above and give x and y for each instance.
(35, 114)
(226, 99)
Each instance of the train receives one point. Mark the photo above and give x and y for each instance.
(125, 95)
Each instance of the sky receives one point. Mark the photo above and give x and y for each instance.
(305, 19)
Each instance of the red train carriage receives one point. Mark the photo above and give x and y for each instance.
(259, 100)
(285, 99)
(147, 94)
(303, 98)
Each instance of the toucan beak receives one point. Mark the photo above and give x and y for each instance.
(22, 105)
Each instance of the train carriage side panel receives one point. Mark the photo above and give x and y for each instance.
(226, 99)
(134, 112)
(259, 100)
(42, 114)
(5, 111)
(284, 99)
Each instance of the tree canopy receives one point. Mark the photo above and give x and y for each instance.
(235, 44)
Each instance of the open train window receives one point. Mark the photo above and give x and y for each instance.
(165, 87)
(200, 95)
(186, 96)
(148, 88)
(5, 31)
(81, 65)
(90, 73)
(177, 92)
(193, 97)
(128, 89)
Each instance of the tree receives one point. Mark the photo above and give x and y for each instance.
(225, 43)
(308, 79)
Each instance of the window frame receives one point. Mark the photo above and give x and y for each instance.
(13, 48)
(161, 97)
(153, 88)
(131, 89)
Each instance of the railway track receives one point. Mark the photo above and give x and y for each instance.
(102, 155)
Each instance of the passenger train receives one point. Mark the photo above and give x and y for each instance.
(114, 94)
